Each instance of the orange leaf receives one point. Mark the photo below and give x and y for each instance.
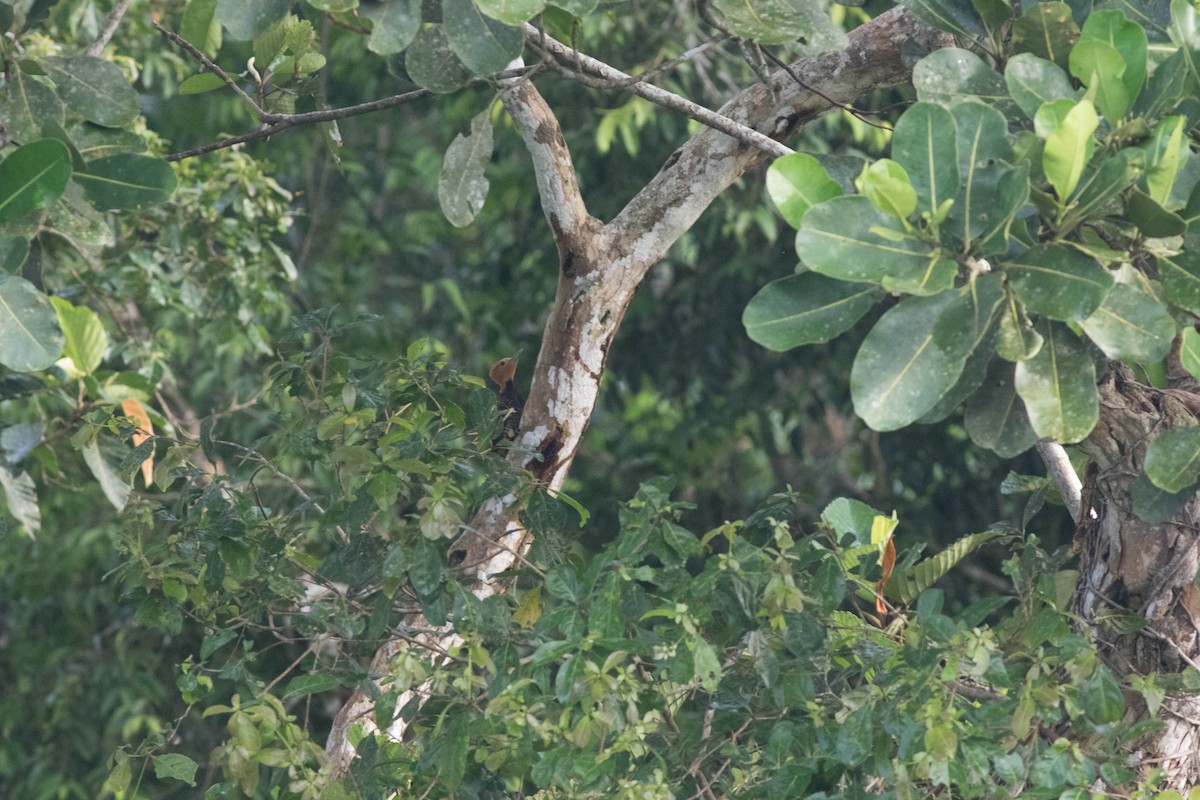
(888, 563)
(134, 410)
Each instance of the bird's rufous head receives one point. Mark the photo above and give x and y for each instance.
(504, 371)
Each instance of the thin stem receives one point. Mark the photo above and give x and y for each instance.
(210, 66)
(111, 23)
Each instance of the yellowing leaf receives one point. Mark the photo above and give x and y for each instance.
(134, 410)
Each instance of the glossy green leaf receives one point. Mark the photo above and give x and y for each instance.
(1111, 27)
(950, 74)
(1180, 275)
(985, 294)
(29, 105)
(394, 24)
(85, 339)
(796, 183)
(804, 309)
(1189, 351)
(925, 144)
(201, 27)
(1058, 386)
(960, 19)
(1131, 325)
(432, 64)
(1069, 146)
(1173, 459)
(463, 184)
(1047, 30)
(1058, 282)
(849, 239)
(33, 176)
(127, 181)
(1032, 81)
(1151, 218)
(20, 498)
(913, 356)
(1114, 175)
(200, 83)
(1100, 68)
(1016, 339)
(995, 417)
(990, 192)
(1151, 504)
(1165, 154)
(480, 42)
(1101, 698)
(95, 89)
(1166, 85)
(886, 185)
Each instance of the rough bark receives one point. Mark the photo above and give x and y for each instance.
(600, 267)
(1128, 565)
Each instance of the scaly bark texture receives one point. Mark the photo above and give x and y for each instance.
(1129, 565)
(601, 265)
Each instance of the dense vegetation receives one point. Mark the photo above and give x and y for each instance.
(806, 548)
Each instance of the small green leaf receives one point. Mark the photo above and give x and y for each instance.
(200, 83)
(127, 181)
(1151, 218)
(201, 27)
(1101, 698)
(394, 24)
(30, 338)
(796, 183)
(1016, 340)
(511, 12)
(1189, 351)
(1131, 325)
(885, 184)
(706, 665)
(33, 176)
(1111, 57)
(805, 308)
(463, 184)
(175, 766)
(20, 497)
(1180, 276)
(1164, 155)
(1058, 386)
(114, 487)
(432, 64)
(925, 144)
(95, 89)
(84, 333)
(1058, 282)
(853, 744)
(1173, 459)
(316, 683)
(1069, 146)
(1032, 81)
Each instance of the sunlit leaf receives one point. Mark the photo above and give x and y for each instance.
(796, 183)
(805, 308)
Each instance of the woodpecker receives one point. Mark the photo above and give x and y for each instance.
(511, 402)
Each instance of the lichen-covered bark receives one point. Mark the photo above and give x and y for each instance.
(1127, 564)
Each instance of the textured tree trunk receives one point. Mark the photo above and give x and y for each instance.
(1129, 565)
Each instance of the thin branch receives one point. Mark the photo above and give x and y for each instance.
(849, 109)
(210, 66)
(111, 23)
(1058, 466)
(592, 72)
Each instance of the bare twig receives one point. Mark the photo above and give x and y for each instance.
(849, 109)
(210, 66)
(591, 72)
(111, 23)
(1058, 466)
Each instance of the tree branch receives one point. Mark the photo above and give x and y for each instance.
(597, 74)
(111, 23)
(1058, 466)
(210, 66)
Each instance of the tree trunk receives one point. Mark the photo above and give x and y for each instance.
(1128, 565)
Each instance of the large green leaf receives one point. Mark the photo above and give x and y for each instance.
(29, 105)
(1058, 386)
(480, 42)
(995, 417)
(796, 183)
(1068, 145)
(1185, 32)
(127, 181)
(804, 309)
(1151, 218)
(1131, 325)
(849, 239)
(778, 21)
(95, 89)
(20, 497)
(1173, 459)
(394, 24)
(991, 191)
(1165, 154)
(30, 338)
(886, 185)
(1032, 81)
(985, 294)
(1111, 58)
(32, 177)
(463, 184)
(958, 18)
(1151, 504)
(1114, 175)
(1058, 282)
(913, 356)
(432, 64)
(201, 27)
(1047, 30)
(925, 144)
(949, 74)
(1180, 276)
